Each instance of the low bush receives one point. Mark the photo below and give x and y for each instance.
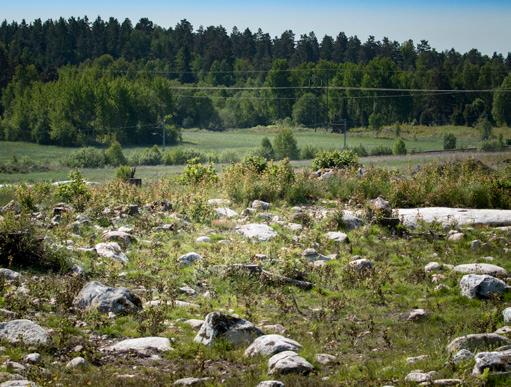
(360, 151)
(399, 147)
(449, 141)
(149, 156)
(75, 192)
(335, 159)
(493, 145)
(181, 156)
(308, 152)
(196, 172)
(285, 145)
(125, 172)
(114, 155)
(23, 165)
(380, 150)
(88, 157)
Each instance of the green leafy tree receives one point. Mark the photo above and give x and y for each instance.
(114, 155)
(399, 147)
(285, 145)
(502, 103)
(266, 149)
(308, 111)
(279, 80)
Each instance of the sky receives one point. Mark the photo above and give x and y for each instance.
(446, 24)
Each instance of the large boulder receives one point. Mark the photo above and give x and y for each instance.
(481, 268)
(119, 236)
(506, 314)
(111, 250)
(220, 326)
(142, 345)
(189, 258)
(454, 216)
(269, 345)
(257, 232)
(494, 361)
(18, 383)
(225, 212)
(288, 362)
(25, 331)
(478, 341)
(9, 275)
(107, 299)
(337, 236)
(260, 205)
(481, 286)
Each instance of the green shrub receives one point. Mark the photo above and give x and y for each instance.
(266, 149)
(376, 121)
(196, 172)
(181, 156)
(449, 141)
(23, 165)
(308, 152)
(360, 151)
(125, 172)
(229, 156)
(149, 156)
(485, 127)
(399, 147)
(285, 145)
(380, 150)
(75, 192)
(335, 159)
(493, 145)
(114, 155)
(88, 157)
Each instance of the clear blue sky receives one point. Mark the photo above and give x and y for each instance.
(462, 24)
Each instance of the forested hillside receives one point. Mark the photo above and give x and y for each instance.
(75, 82)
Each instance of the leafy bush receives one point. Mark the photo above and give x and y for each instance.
(376, 121)
(335, 159)
(181, 156)
(88, 157)
(229, 157)
(360, 151)
(22, 246)
(196, 172)
(149, 156)
(399, 147)
(266, 149)
(449, 141)
(485, 127)
(308, 152)
(285, 145)
(23, 165)
(75, 192)
(380, 150)
(114, 155)
(493, 145)
(125, 172)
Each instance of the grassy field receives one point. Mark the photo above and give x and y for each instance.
(240, 141)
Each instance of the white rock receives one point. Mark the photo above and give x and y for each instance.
(226, 212)
(9, 275)
(506, 314)
(271, 383)
(18, 383)
(337, 236)
(325, 358)
(191, 381)
(220, 326)
(462, 356)
(361, 264)
(416, 314)
(32, 358)
(481, 286)
(257, 232)
(481, 268)
(455, 237)
(269, 345)
(120, 237)
(260, 205)
(455, 216)
(418, 377)
(111, 250)
(416, 359)
(203, 239)
(288, 362)
(77, 362)
(478, 341)
(26, 331)
(189, 258)
(219, 202)
(142, 345)
(494, 361)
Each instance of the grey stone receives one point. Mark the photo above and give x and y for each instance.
(260, 205)
(121, 237)
(455, 216)
(416, 314)
(189, 258)
(271, 383)
(32, 358)
(191, 381)
(25, 331)
(361, 264)
(496, 362)
(107, 299)
(225, 212)
(418, 377)
(312, 255)
(77, 362)
(475, 245)
(220, 326)
(219, 202)
(111, 250)
(481, 341)
(325, 358)
(194, 323)
(9, 275)
(142, 345)
(269, 345)
(506, 314)
(447, 382)
(288, 362)
(455, 237)
(380, 206)
(257, 232)
(416, 359)
(203, 239)
(481, 286)
(337, 236)
(18, 383)
(462, 356)
(481, 268)
(351, 221)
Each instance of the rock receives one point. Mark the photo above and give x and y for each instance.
(447, 382)
(189, 258)
(288, 362)
(32, 358)
(506, 314)
(416, 359)
(111, 250)
(187, 290)
(380, 207)
(275, 328)
(9, 275)
(18, 383)
(433, 266)
(411, 217)
(269, 345)
(455, 237)
(15, 367)
(418, 377)
(475, 245)
(462, 356)
(481, 268)
(257, 232)
(260, 205)
(219, 326)
(496, 362)
(219, 202)
(203, 239)
(143, 345)
(25, 331)
(77, 362)
(504, 331)
(481, 286)
(337, 236)
(481, 341)
(351, 221)
(121, 237)
(107, 299)
(416, 314)
(295, 227)
(194, 323)
(361, 265)
(312, 255)
(325, 358)
(225, 212)
(191, 381)
(271, 383)
(12, 206)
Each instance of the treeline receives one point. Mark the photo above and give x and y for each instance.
(73, 82)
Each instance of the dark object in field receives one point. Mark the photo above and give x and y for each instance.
(267, 276)
(135, 181)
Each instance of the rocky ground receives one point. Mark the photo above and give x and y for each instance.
(268, 295)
